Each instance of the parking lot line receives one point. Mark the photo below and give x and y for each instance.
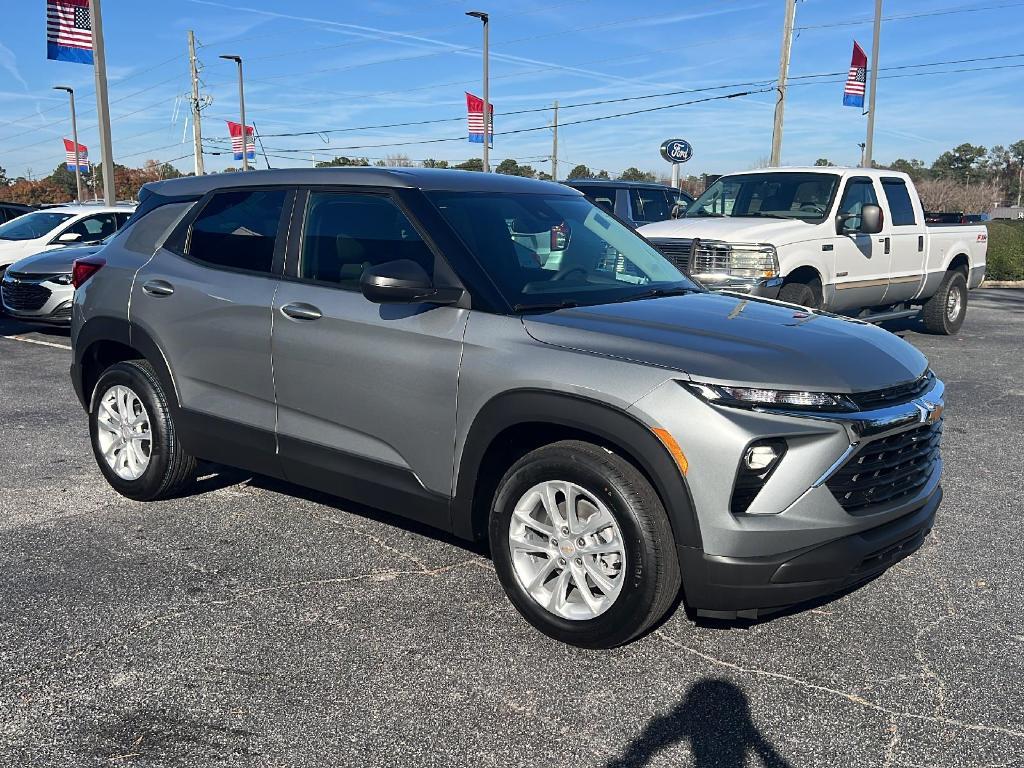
(37, 341)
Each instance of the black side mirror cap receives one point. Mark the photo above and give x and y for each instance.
(403, 281)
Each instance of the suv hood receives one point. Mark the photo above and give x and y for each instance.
(53, 262)
(726, 339)
(736, 230)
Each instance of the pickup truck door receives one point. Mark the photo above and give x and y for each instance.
(861, 263)
(907, 241)
(366, 392)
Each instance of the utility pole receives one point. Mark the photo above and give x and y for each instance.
(554, 147)
(487, 96)
(74, 137)
(197, 129)
(780, 104)
(102, 106)
(241, 109)
(870, 140)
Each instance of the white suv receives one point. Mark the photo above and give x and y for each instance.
(58, 227)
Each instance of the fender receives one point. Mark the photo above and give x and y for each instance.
(611, 425)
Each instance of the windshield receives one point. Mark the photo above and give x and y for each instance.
(780, 195)
(32, 225)
(545, 251)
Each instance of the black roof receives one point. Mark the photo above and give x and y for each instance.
(408, 178)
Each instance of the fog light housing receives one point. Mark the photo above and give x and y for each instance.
(759, 461)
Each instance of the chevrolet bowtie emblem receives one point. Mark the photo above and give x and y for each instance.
(930, 412)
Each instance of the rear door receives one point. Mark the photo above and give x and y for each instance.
(905, 234)
(366, 393)
(206, 299)
(861, 261)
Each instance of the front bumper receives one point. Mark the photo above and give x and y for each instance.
(37, 300)
(749, 587)
(768, 288)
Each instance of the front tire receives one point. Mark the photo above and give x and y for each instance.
(803, 294)
(133, 434)
(582, 545)
(945, 311)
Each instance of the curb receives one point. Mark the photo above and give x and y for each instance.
(1002, 284)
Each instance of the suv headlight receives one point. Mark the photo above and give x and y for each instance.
(751, 260)
(756, 397)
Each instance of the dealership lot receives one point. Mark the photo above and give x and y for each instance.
(254, 623)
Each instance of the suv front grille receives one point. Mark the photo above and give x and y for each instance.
(24, 297)
(887, 470)
(676, 251)
(902, 393)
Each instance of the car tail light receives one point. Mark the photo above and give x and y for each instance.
(85, 268)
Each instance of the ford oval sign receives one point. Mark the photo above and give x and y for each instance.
(676, 150)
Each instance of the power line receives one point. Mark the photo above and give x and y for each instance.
(903, 16)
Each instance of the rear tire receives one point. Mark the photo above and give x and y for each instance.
(944, 312)
(133, 434)
(631, 582)
(804, 294)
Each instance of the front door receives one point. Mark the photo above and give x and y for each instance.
(208, 307)
(861, 263)
(366, 393)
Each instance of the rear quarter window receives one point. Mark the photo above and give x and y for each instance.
(900, 206)
(147, 233)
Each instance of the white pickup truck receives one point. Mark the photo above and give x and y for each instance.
(848, 240)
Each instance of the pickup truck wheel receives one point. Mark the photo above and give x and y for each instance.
(133, 436)
(803, 294)
(944, 312)
(582, 545)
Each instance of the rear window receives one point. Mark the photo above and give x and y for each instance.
(148, 233)
(900, 206)
(238, 230)
(602, 197)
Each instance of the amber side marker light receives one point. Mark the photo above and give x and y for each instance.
(673, 448)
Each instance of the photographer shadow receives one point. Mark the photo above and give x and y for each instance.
(715, 719)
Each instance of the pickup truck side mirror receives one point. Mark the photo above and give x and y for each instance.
(403, 281)
(871, 221)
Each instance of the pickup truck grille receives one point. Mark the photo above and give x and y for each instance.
(24, 297)
(902, 393)
(887, 470)
(676, 251)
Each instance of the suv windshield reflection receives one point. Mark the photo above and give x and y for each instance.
(547, 251)
(803, 196)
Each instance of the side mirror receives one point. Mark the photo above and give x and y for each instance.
(69, 237)
(870, 219)
(678, 210)
(403, 282)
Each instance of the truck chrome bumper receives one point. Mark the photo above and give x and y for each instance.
(768, 288)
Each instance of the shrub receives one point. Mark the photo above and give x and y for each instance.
(1005, 250)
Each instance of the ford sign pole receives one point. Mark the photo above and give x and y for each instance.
(676, 152)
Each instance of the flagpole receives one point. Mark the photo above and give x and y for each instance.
(102, 106)
(74, 137)
(241, 109)
(870, 140)
(487, 97)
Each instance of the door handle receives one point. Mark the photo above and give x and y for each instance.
(301, 311)
(158, 288)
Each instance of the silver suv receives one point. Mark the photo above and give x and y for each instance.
(500, 358)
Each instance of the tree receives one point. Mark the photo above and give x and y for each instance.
(635, 174)
(4, 181)
(511, 168)
(602, 174)
(544, 176)
(64, 180)
(580, 172)
(432, 163)
(915, 169)
(960, 163)
(473, 164)
(398, 161)
(824, 162)
(343, 161)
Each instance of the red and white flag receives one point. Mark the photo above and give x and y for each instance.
(475, 119)
(235, 129)
(856, 80)
(69, 155)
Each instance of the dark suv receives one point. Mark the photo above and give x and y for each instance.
(637, 202)
(502, 359)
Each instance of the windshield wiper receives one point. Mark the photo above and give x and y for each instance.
(655, 293)
(549, 307)
(759, 215)
(704, 213)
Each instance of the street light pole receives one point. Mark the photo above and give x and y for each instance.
(780, 103)
(487, 96)
(241, 109)
(74, 138)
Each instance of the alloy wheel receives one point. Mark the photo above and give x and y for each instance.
(124, 432)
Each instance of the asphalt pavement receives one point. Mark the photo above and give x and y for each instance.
(256, 624)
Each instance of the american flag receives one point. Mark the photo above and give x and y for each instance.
(69, 155)
(853, 94)
(235, 129)
(475, 119)
(69, 31)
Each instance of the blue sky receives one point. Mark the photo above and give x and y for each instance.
(312, 65)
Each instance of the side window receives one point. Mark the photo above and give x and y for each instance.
(603, 197)
(238, 230)
(858, 192)
(122, 218)
(93, 228)
(650, 205)
(900, 207)
(147, 234)
(347, 232)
